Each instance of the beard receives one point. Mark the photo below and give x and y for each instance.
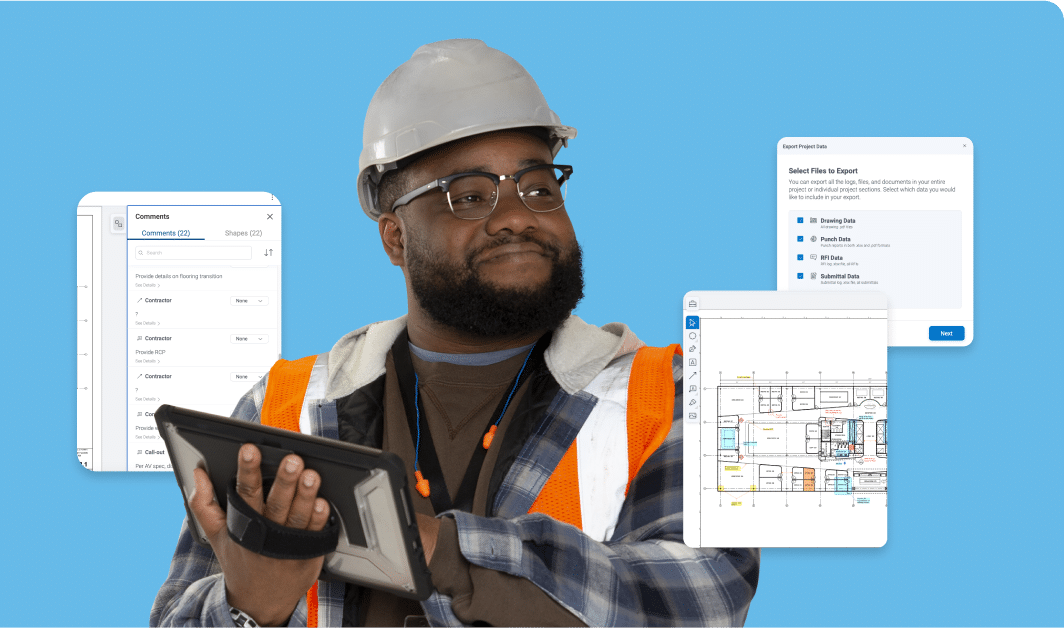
(455, 295)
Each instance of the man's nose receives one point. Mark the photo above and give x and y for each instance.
(510, 212)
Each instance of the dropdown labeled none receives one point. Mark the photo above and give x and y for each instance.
(249, 339)
(252, 300)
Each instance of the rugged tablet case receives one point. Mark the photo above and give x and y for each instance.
(379, 544)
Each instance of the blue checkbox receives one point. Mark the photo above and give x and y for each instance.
(800, 257)
(800, 219)
(801, 275)
(799, 238)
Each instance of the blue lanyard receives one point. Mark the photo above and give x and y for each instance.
(426, 463)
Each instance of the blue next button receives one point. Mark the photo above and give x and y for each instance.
(945, 332)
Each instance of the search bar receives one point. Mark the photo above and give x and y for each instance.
(193, 252)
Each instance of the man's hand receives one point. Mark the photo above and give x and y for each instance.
(429, 529)
(267, 589)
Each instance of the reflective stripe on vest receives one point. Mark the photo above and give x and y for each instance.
(589, 485)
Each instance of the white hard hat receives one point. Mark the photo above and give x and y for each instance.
(447, 91)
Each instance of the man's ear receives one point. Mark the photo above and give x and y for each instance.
(391, 229)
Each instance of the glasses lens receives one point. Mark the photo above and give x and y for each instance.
(540, 188)
(472, 196)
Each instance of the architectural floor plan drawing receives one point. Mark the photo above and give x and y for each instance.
(801, 439)
(785, 430)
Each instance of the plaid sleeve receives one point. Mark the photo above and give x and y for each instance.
(644, 576)
(194, 592)
(249, 406)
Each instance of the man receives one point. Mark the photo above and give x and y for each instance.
(544, 452)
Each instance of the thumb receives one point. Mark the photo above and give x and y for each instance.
(206, 509)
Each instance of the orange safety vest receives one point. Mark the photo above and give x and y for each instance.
(650, 397)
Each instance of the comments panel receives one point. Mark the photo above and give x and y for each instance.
(179, 298)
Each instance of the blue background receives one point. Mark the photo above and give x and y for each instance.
(679, 108)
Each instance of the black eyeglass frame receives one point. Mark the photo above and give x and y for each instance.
(444, 184)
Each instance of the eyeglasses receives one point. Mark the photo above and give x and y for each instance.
(473, 195)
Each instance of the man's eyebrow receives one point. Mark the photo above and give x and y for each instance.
(524, 163)
(528, 163)
(467, 169)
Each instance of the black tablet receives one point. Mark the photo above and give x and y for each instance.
(366, 488)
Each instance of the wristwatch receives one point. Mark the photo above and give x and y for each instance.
(242, 619)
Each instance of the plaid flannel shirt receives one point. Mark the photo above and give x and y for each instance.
(643, 576)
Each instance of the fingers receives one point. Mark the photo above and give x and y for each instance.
(292, 500)
(320, 516)
(302, 509)
(248, 476)
(204, 507)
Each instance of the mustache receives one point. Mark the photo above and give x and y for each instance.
(549, 246)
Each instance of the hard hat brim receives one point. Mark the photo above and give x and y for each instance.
(374, 169)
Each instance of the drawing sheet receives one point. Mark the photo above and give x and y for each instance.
(785, 419)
